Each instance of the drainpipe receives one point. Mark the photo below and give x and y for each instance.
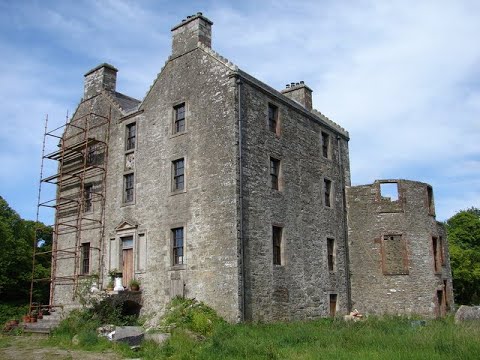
(345, 226)
(240, 195)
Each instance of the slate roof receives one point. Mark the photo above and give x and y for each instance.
(127, 103)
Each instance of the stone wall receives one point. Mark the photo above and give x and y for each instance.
(391, 250)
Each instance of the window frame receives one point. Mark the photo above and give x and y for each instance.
(178, 260)
(127, 189)
(273, 123)
(327, 193)
(85, 258)
(179, 125)
(131, 136)
(331, 254)
(326, 145)
(176, 177)
(277, 245)
(274, 168)
(87, 198)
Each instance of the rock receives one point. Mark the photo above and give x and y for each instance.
(159, 338)
(132, 335)
(76, 340)
(467, 313)
(105, 330)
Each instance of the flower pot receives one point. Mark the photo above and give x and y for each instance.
(134, 287)
(26, 318)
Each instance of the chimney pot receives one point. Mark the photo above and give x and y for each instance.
(302, 82)
(199, 13)
(288, 85)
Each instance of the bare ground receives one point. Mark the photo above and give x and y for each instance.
(33, 348)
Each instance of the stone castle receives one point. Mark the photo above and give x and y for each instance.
(218, 187)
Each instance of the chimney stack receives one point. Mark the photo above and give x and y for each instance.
(191, 31)
(300, 93)
(104, 76)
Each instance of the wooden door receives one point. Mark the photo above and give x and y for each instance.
(127, 267)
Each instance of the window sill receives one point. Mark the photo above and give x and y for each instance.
(178, 267)
(178, 192)
(124, 204)
(178, 134)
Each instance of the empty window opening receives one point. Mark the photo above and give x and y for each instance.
(277, 245)
(179, 125)
(389, 191)
(274, 173)
(447, 305)
(437, 254)
(441, 310)
(431, 208)
(85, 255)
(331, 254)
(325, 145)
(177, 246)
(131, 133)
(333, 305)
(87, 198)
(178, 174)
(327, 188)
(442, 254)
(128, 182)
(394, 255)
(272, 118)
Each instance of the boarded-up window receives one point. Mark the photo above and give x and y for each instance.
(394, 255)
(333, 304)
(437, 248)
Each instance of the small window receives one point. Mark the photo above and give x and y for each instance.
(178, 183)
(333, 305)
(272, 118)
(131, 133)
(437, 254)
(274, 173)
(87, 198)
(177, 248)
(331, 254)
(85, 256)
(91, 155)
(277, 245)
(128, 183)
(431, 207)
(325, 145)
(327, 188)
(394, 255)
(179, 121)
(389, 191)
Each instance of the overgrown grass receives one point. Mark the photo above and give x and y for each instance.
(198, 333)
(11, 312)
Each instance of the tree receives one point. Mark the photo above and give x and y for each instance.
(16, 250)
(464, 237)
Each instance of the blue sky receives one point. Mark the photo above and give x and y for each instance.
(403, 77)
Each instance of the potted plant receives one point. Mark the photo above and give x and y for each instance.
(134, 285)
(26, 318)
(110, 285)
(33, 316)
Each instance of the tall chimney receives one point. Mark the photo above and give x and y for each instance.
(191, 31)
(299, 92)
(104, 76)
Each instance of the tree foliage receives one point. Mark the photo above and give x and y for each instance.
(464, 237)
(16, 250)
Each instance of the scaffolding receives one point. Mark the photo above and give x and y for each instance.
(79, 204)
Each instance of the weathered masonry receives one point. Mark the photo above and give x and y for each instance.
(399, 254)
(218, 187)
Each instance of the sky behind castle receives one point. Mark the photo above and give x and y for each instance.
(403, 77)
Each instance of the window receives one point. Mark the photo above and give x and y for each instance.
(274, 173)
(389, 191)
(327, 188)
(394, 255)
(325, 145)
(333, 304)
(331, 254)
(177, 238)
(277, 245)
(131, 134)
(91, 155)
(179, 121)
(87, 198)
(437, 254)
(128, 182)
(431, 208)
(272, 118)
(85, 253)
(178, 175)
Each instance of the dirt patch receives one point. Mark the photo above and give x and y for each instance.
(33, 348)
